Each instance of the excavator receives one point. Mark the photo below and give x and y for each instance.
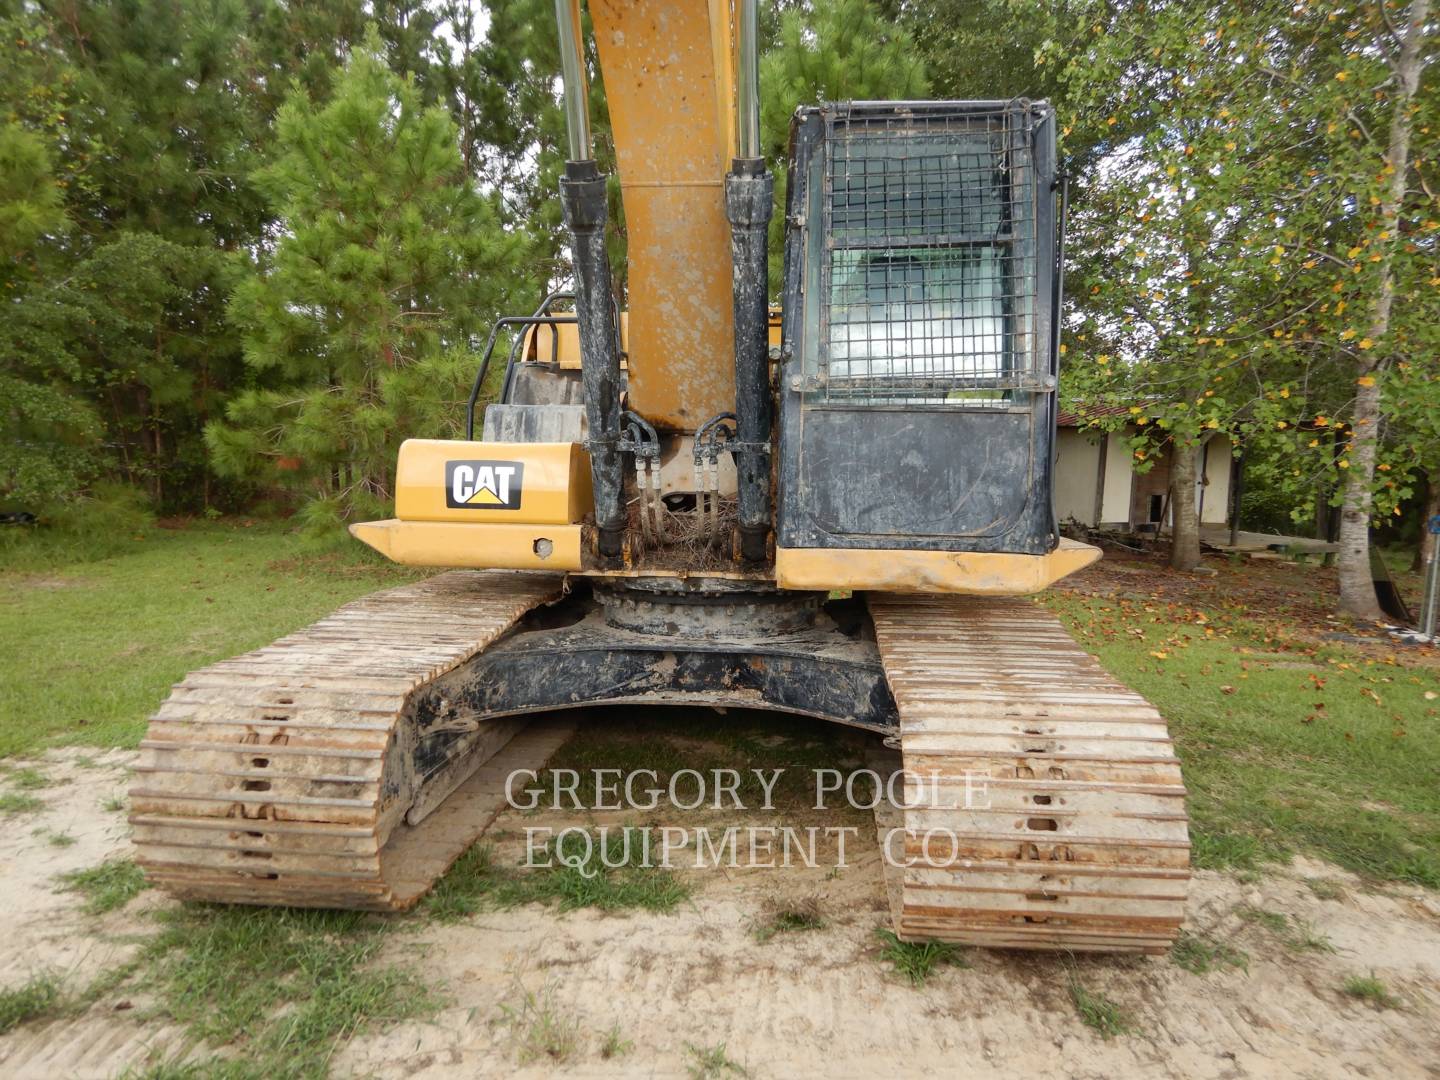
(834, 508)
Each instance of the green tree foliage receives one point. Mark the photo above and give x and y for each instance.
(149, 120)
(117, 317)
(162, 129)
(47, 429)
(1248, 213)
(979, 50)
(831, 50)
(502, 87)
(356, 328)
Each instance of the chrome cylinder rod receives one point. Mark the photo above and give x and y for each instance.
(747, 80)
(572, 70)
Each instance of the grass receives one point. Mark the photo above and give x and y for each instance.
(284, 987)
(38, 997)
(917, 960)
(106, 887)
(88, 649)
(615, 1044)
(1294, 932)
(59, 839)
(467, 887)
(1201, 954)
(27, 779)
(790, 915)
(113, 803)
(608, 874)
(1325, 889)
(1287, 745)
(1369, 989)
(711, 1063)
(1099, 1013)
(540, 1029)
(12, 803)
(1305, 938)
(1277, 922)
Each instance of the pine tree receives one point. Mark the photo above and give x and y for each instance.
(833, 50)
(152, 118)
(48, 432)
(502, 89)
(357, 328)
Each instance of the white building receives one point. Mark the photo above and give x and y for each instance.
(1096, 484)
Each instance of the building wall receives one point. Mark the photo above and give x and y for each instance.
(1077, 460)
(1124, 502)
(1215, 504)
(1118, 478)
(1077, 477)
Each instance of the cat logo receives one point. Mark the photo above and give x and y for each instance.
(483, 485)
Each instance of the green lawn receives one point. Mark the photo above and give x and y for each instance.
(89, 649)
(1288, 743)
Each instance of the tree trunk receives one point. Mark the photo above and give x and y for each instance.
(1357, 588)
(1357, 584)
(1185, 530)
(1425, 550)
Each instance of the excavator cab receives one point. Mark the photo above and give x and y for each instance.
(917, 396)
(831, 509)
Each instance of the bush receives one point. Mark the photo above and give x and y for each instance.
(92, 526)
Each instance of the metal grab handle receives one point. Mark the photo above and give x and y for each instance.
(543, 309)
(501, 324)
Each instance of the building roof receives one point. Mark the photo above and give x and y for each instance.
(1080, 415)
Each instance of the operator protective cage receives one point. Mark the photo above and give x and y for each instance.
(919, 364)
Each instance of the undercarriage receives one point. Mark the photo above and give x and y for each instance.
(349, 764)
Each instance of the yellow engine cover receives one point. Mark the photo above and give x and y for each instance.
(515, 483)
(490, 505)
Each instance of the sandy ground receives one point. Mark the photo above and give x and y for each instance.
(812, 1003)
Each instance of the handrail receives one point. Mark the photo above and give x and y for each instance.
(543, 309)
(541, 317)
(501, 324)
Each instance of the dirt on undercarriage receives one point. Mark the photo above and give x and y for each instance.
(717, 984)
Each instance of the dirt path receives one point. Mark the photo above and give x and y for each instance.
(811, 1003)
(47, 931)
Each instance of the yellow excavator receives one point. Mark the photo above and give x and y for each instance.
(830, 509)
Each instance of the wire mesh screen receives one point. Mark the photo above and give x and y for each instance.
(929, 278)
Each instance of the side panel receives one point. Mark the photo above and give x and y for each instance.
(507, 483)
(891, 474)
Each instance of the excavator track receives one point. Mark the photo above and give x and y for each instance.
(289, 775)
(1075, 833)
